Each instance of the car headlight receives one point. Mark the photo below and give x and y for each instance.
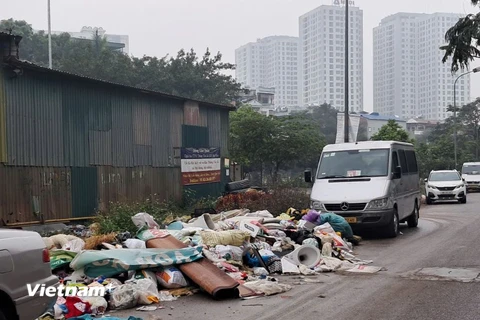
(431, 187)
(460, 186)
(317, 205)
(379, 203)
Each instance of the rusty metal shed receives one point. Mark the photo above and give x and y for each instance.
(70, 145)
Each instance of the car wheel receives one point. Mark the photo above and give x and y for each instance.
(429, 201)
(393, 227)
(412, 221)
(2, 316)
(464, 200)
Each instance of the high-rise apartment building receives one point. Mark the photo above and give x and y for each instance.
(271, 62)
(409, 78)
(322, 38)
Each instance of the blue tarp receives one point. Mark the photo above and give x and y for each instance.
(112, 262)
(337, 222)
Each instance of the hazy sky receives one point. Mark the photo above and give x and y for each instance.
(160, 27)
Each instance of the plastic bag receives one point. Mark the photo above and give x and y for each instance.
(327, 250)
(171, 278)
(98, 305)
(143, 219)
(326, 228)
(229, 252)
(145, 274)
(135, 244)
(75, 245)
(124, 297)
(147, 291)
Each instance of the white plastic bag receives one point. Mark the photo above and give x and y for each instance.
(229, 252)
(135, 244)
(143, 219)
(144, 274)
(75, 245)
(124, 297)
(326, 228)
(98, 305)
(171, 278)
(267, 288)
(147, 291)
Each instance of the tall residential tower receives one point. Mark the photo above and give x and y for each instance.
(409, 78)
(322, 37)
(271, 62)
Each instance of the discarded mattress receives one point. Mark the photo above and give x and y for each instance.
(111, 262)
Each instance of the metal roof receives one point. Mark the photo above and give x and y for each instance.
(380, 117)
(28, 65)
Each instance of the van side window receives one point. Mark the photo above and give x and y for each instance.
(411, 161)
(403, 161)
(394, 160)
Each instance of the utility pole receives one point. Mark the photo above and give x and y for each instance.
(347, 77)
(49, 38)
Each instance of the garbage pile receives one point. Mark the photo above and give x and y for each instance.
(234, 254)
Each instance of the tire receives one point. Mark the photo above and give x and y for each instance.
(429, 201)
(2, 316)
(464, 200)
(412, 221)
(392, 229)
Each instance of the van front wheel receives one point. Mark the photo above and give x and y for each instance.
(393, 226)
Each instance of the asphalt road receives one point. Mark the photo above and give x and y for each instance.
(447, 237)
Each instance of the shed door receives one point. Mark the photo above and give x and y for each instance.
(84, 191)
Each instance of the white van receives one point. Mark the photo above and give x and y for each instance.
(372, 184)
(471, 175)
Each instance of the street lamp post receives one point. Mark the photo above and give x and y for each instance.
(49, 38)
(474, 70)
(347, 77)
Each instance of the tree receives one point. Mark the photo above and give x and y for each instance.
(392, 131)
(326, 118)
(273, 143)
(462, 41)
(186, 74)
(296, 139)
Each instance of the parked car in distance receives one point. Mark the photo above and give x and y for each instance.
(445, 185)
(471, 175)
(23, 260)
(372, 184)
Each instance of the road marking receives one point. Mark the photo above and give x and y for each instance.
(445, 274)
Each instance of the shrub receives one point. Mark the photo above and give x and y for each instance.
(118, 217)
(276, 202)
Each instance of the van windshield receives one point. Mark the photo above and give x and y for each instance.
(471, 169)
(354, 163)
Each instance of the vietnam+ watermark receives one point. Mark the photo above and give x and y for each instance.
(68, 291)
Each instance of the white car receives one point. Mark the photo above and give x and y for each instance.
(445, 185)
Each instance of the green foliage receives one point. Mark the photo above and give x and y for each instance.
(273, 142)
(437, 150)
(118, 218)
(392, 131)
(185, 74)
(462, 41)
(276, 202)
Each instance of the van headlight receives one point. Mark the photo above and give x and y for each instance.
(431, 187)
(382, 203)
(460, 186)
(317, 205)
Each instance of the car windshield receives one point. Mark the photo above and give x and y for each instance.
(444, 176)
(471, 169)
(354, 163)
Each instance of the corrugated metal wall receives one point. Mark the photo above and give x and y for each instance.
(114, 144)
(3, 120)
